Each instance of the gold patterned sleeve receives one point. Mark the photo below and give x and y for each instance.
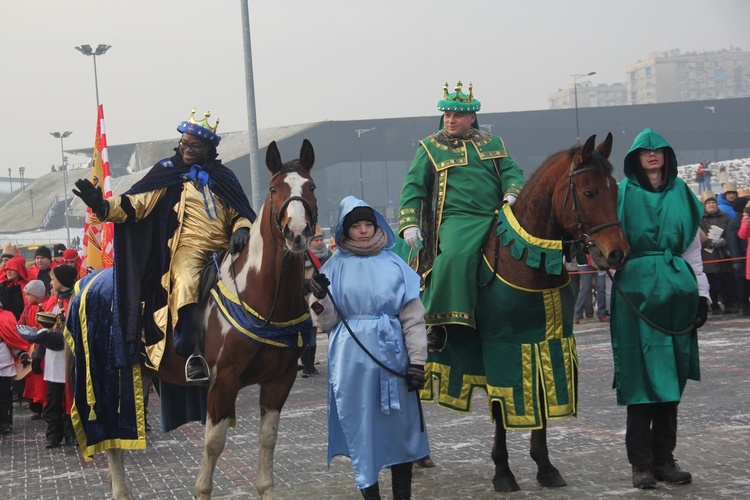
(142, 203)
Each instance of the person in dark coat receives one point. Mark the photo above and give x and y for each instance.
(715, 255)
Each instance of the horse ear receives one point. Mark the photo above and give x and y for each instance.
(588, 148)
(273, 158)
(307, 155)
(605, 147)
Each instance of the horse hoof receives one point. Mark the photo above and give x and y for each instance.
(551, 478)
(505, 484)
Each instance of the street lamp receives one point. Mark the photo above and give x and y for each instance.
(10, 178)
(488, 127)
(100, 50)
(712, 109)
(21, 170)
(575, 93)
(361, 131)
(62, 136)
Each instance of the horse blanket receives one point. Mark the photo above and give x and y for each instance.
(523, 352)
(108, 406)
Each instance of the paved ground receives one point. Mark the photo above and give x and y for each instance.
(713, 442)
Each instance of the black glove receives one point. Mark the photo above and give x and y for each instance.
(319, 285)
(92, 197)
(238, 240)
(24, 358)
(702, 315)
(36, 359)
(415, 378)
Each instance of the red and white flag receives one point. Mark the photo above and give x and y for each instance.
(98, 240)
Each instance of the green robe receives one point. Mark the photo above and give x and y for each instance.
(452, 190)
(651, 366)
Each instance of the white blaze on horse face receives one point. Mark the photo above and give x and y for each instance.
(296, 210)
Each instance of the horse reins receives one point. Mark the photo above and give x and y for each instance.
(275, 218)
(581, 219)
(366, 351)
(586, 240)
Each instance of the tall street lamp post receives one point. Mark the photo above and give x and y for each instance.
(21, 171)
(64, 167)
(10, 178)
(100, 50)
(575, 96)
(712, 109)
(361, 176)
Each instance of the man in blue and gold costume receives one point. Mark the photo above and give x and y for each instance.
(459, 176)
(168, 226)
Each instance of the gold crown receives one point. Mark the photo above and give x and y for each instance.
(204, 122)
(458, 95)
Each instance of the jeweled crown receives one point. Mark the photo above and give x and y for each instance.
(458, 101)
(204, 122)
(457, 95)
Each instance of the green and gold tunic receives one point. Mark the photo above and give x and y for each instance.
(451, 191)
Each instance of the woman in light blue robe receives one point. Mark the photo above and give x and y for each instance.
(373, 416)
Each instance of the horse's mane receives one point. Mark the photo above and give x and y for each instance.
(598, 161)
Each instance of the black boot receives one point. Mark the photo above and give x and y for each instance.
(371, 492)
(671, 473)
(401, 481)
(437, 337)
(307, 362)
(643, 478)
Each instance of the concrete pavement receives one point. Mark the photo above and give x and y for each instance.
(713, 442)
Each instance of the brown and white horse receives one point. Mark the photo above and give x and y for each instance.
(267, 276)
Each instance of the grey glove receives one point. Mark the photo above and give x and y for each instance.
(720, 243)
(415, 377)
(238, 240)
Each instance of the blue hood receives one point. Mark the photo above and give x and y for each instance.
(347, 205)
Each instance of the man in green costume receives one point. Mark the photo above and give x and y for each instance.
(459, 176)
(664, 281)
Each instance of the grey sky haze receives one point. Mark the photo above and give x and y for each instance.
(315, 60)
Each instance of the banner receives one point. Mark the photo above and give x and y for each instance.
(98, 237)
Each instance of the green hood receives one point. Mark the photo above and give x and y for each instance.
(648, 139)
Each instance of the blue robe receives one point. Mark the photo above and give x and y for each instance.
(372, 417)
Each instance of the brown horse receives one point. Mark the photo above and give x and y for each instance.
(523, 353)
(264, 281)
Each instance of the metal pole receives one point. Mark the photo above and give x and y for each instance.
(65, 187)
(96, 87)
(31, 197)
(10, 178)
(252, 126)
(716, 155)
(575, 96)
(361, 175)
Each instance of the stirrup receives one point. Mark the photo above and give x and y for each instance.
(194, 375)
(437, 338)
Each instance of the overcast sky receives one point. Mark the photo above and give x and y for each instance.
(315, 60)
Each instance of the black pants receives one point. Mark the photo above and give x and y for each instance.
(58, 423)
(187, 332)
(651, 434)
(722, 284)
(6, 401)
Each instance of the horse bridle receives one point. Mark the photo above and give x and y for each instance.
(581, 221)
(276, 218)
